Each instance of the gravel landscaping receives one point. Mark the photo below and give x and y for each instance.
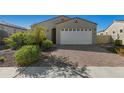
(90, 55)
(9, 60)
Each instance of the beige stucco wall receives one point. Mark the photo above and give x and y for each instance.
(50, 24)
(80, 25)
(103, 39)
(116, 26)
(10, 30)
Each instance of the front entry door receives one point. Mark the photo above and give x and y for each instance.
(54, 36)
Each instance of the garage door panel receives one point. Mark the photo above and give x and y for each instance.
(76, 37)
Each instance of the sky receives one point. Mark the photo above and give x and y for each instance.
(26, 21)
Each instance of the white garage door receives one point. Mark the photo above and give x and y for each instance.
(75, 37)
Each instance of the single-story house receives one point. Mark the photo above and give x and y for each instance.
(115, 30)
(70, 31)
(10, 28)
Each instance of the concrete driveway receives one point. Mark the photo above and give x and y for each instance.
(90, 55)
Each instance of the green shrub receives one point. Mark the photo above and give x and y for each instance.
(38, 33)
(47, 44)
(27, 55)
(16, 40)
(118, 42)
(2, 59)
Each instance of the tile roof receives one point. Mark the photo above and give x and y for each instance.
(11, 25)
(77, 18)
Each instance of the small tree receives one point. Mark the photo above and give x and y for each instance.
(39, 33)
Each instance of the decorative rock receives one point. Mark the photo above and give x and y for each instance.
(1, 62)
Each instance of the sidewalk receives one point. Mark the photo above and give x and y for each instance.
(8, 72)
(106, 72)
(94, 72)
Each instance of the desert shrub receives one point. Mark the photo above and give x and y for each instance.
(47, 44)
(27, 55)
(38, 33)
(16, 40)
(118, 42)
(120, 51)
(2, 59)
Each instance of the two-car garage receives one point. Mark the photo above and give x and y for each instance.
(75, 37)
(76, 32)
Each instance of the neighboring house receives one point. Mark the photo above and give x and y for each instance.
(115, 30)
(100, 32)
(70, 31)
(10, 28)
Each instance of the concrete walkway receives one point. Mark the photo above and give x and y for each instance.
(94, 72)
